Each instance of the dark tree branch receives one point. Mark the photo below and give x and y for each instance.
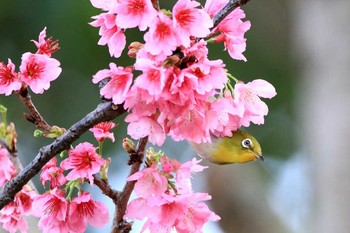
(119, 224)
(34, 116)
(230, 6)
(104, 112)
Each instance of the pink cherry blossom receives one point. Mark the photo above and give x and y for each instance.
(46, 46)
(12, 215)
(210, 76)
(163, 220)
(212, 7)
(183, 175)
(84, 162)
(153, 78)
(196, 213)
(162, 36)
(140, 102)
(234, 46)
(13, 222)
(52, 208)
(224, 116)
(165, 207)
(198, 49)
(24, 200)
(135, 13)
(139, 209)
(83, 209)
(50, 172)
(9, 79)
(168, 165)
(232, 28)
(190, 21)
(101, 131)
(150, 182)
(7, 169)
(38, 70)
(248, 95)
(190, 126)
(116, 88)
(105, 5)
(110, 33)
(140, 127)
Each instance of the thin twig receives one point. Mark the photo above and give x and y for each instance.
(105, 187)
(104, 112)
(34, 116)
(119, 224)
(230, 6)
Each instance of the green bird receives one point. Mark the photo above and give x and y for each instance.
(240, 148)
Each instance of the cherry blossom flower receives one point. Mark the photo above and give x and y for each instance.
(83, 209)
(152, 79)
(149, 182)
(9, 79)
(7, 169)
(224, 116)
(183, 175)
(105, 5)
(52, 208)
(12, 215)
(248, 94)
(38, 70)
(50, 172)
(190, 21)
(46, 46)
(196, 213)
(232, 28)
(12, 221)
(110, 33)
(140, 127)
(135, 13)
(101, 131)
(162, 36)
(84, 162)
(119, 84)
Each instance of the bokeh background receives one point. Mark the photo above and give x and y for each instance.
(301, 47)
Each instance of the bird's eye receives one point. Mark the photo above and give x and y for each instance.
(247, 143)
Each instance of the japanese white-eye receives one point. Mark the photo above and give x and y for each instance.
(240, 148)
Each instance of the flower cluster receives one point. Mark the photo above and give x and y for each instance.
(36, 70)
(11, 216)
(165, 196)
(58, 211)
(178, 91)
(57, 214)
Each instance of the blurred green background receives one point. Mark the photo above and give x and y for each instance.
(284, 194)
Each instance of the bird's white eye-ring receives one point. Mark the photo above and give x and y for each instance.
(247, 143)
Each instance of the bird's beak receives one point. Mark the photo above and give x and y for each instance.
(259, 156)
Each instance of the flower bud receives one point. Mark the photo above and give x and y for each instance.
(55, 132)
(134, 47)
(128, 145)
